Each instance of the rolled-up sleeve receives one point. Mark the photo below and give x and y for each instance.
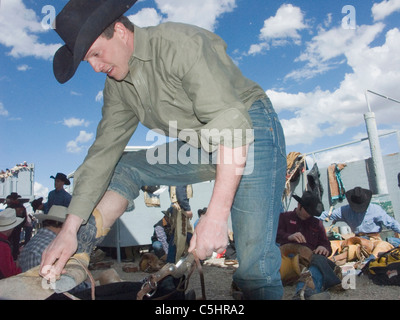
(383, 218)
(114, 131)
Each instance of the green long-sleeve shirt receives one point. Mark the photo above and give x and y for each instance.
(182, 82)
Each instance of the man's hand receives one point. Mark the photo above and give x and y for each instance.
(298, 237)
(209, 235)
(189, 214)
(322, 251)
(56, 255)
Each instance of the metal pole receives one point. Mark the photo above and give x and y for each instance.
(350, 143)
(398, 138)
(375, 147)
(376, 154)
(381, 95)
(118, 242)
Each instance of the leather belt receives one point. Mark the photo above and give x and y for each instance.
(374, 235)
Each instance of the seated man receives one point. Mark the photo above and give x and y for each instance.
(52, 222)
(8, 221)
(364, 218)
(162, 235)
(300, 226)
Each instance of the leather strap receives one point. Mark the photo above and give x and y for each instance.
(93, 283)
(149, 288)
(374, 235)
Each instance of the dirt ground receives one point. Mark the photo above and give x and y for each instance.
(218, 279)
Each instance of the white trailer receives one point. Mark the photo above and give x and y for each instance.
(20, 179)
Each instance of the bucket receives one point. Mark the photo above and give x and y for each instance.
(344, 230)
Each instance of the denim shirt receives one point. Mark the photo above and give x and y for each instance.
(57, 197)
(182, 82)
(370, 221)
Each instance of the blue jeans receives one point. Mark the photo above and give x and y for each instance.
(172, 247)
(317, 279)
(158, 248)
(257, 205)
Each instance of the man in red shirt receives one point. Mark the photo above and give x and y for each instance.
(8, 221)
(300, 226)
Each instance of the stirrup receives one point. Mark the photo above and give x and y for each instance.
(306, 277)
(177, 271)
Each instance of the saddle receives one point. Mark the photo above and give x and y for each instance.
(295, 257)
(356, 249)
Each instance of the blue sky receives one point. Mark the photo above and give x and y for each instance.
(314, 58)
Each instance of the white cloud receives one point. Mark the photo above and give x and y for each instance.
(203, 13)
(77, 145)
(3, 110)
(258, 48)
(326, 113)
(99, 96)
(385, 8)
(329, 47)
(84, 137)
(23, 67)
(281, 29)
(285, 24)
(40, 191)
(75, 122)
(146, 17)
(19, 31)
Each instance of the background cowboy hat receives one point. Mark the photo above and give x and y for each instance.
(13, 195)
(359, 199)
(79, 24)
(9, 219)
(62, 177)
(311, 203)
(56, 213)
(36, 203)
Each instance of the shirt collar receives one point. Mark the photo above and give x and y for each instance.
(141, 47)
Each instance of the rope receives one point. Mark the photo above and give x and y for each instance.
(92, 282)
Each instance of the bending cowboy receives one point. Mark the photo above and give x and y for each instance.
(364, 218)
(179, 79)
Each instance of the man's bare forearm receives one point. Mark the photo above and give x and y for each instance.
(230, 168)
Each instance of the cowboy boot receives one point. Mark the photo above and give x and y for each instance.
(89, 236)
(92, 233)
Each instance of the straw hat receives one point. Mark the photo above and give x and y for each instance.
(56, 213)
(9, 219)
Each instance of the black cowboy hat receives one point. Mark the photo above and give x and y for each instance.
(359, 199)
(13, 196)
(79, 24)
(311, 203)
(62, 177)
(36, 203)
